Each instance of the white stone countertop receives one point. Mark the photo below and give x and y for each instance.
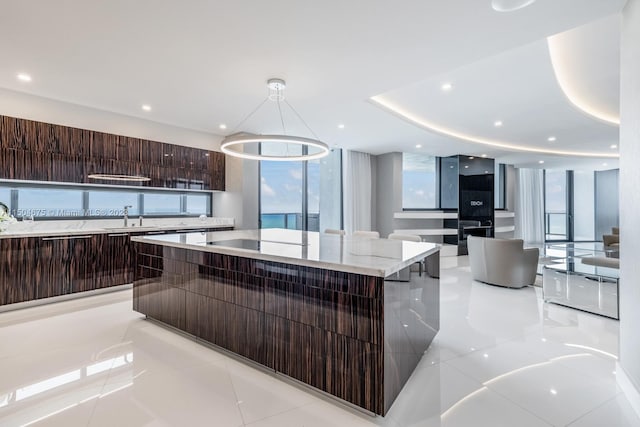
(372, 257)
(103, 226)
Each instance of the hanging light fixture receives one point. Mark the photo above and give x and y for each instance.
(310, 148)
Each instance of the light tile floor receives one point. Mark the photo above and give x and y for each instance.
(502, 358)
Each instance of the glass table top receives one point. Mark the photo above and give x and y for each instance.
(584, 269)
(579, 249)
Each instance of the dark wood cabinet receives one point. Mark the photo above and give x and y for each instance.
(42, 267)
(52, 266)
(113, 263)
(18, 270)
(39, 151)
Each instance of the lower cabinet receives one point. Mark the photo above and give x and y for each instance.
(41, 267)
(19, 270)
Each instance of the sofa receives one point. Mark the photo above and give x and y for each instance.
(502, 262)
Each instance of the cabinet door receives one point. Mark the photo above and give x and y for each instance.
(18, 272)
(113, 264)
(82, 256)
(52, 267)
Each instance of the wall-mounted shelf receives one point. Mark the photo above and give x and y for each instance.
(504, 214)
(425, 215)
(506, 229)
(429, 231)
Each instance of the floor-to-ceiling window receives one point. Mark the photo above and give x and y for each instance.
(300, 195)
(555, 205)
(281, 185)
(583, 206)
(419, 182)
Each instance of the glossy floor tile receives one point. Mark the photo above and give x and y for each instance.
(501, 358)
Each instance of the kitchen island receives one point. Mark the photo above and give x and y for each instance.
(323, 309)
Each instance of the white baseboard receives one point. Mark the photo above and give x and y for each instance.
(628, 388)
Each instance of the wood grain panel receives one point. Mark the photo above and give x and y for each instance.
(157, 299)
(346, 314)
(17, 272)
(344, 367)
(324, 328)
(48, 152)
(236, 328)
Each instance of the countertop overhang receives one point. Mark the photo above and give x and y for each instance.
(372, 257)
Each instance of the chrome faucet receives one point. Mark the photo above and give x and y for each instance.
(126, 214)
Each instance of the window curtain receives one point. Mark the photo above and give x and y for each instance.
(529, 207)
(356, 174)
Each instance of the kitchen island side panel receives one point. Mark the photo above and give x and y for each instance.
(323, 327)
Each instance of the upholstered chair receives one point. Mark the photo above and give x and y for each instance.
(502, 262)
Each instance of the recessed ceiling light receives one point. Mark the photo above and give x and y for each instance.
(222, 126)
(146, 107)
(551, 139)
(553, 391)
(541, 161)
(604, 164)
(466, 166)
(340, 126)
(418, 145)
(446, 87)
(484, 155)
(614, 145)
(24, 77)
(510, 5)
(497, 123)
(471, 157)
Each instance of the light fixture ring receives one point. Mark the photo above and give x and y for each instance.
(231, 143)
(118, 177)
(247, 138)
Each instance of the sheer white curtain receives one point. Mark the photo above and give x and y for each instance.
(529, 206)
(356, 172)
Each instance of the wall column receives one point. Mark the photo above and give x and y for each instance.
(628, 371)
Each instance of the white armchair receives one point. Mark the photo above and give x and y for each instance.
(502, 262)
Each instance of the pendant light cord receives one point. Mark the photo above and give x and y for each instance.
(284, 130)
(278, 98)
(302, 120)
(250, 114)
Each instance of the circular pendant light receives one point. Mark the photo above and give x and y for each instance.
(316, 149)
(510, 5)
(117, 177)
(309, 148)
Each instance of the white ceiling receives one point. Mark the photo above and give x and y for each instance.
(202, 63)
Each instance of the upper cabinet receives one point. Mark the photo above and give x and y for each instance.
(39, 151)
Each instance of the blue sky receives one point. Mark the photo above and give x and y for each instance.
(281, 186)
